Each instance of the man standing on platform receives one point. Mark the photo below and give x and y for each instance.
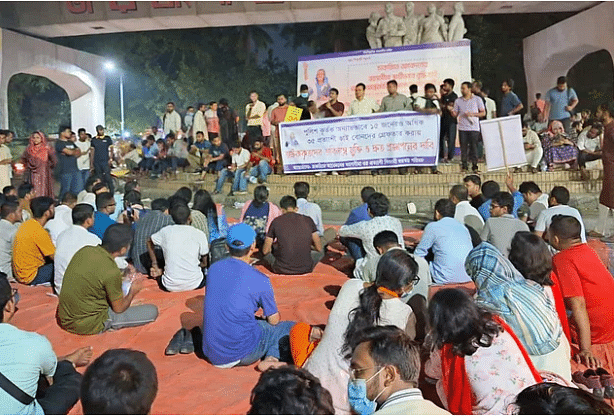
(510, 103)
(429, 104)
(560, 102)
(393, 102)
(171, 120)
(302, 102)
(362, 105)
(468, 109)
(448, 122)
(100, 153)
(333, 107)
(277, 116)
(68, 152)
(253, 115)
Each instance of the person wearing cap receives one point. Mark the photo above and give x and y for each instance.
(185, 250)
(232, 335)
(101, 144)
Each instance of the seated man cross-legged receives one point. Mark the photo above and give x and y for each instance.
(298, 247)
(92, 299)
(185, 251)
(232, 334)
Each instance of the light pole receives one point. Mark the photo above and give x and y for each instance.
(110, 66)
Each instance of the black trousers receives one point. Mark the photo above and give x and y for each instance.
(63, 394)
(469, 148)
(584, 157)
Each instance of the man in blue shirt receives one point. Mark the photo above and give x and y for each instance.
(232, 335)
(490, 188)
(105, 207)
(68, 152)
(361, 213)
(560, 102)
(450, 242)
(510, 103)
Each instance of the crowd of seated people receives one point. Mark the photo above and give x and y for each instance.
(479, 301)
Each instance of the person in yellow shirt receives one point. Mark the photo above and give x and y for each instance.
(33, 249)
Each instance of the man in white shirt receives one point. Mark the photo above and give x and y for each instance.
(72, 240)
(62, 219)
(490, 104)
(559, 198)
(464, 212)
(532, 147)
(199, 123)
(185, 250)
(362, 105)
(5, 160)
(171, 120)
(237, 171)
(84, 162)
(378, 206)
(535, 199)
(313, 211)
(501, 227)
(254, 111)
(589, 145)
(10, 214)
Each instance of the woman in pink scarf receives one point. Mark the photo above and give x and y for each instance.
(39, 160)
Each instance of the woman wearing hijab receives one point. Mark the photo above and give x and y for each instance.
(39, 159)
(558, 148)
(523, 304)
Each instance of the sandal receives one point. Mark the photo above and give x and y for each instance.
(607, 381)
(590, 379)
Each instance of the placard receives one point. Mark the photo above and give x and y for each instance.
(381, 140)
(503, 144)
(293, 114)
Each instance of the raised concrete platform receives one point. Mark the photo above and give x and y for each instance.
(342, 193)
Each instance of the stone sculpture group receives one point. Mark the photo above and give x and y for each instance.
(393, 30)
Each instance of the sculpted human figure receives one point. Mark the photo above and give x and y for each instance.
(445, 20)
(412, 25)
(372, 37)
(457, 24)
(391, 28)
(432, 27)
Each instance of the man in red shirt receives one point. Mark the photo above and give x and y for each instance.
(333, 108)
(260, 162)
(587, 287)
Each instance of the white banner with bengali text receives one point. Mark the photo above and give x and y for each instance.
(414, 64)
(381, 140)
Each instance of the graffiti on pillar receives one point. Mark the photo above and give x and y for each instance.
(80, 7)
(170, 4)
(122, 6)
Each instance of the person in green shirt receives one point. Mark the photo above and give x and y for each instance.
(92, 300)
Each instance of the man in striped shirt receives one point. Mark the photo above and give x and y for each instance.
(151, 223)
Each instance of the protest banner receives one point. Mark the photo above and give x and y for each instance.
(293, 114)
(503, 145)
(380, 140)
(414, 64)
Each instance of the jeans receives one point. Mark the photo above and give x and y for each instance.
(216, 166)
(447, 136)
(178, 162)
(469, 148)
(161, 165)
(239, 181)
(274, 342)
(262, 171)
(133, 316)
(63, 394)
(104, 171)
(147, 163)
(44, 275)
(354, 246)
(70, 182)
(85, 175)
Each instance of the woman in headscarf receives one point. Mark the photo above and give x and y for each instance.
(558, 148)
(523, 304)
(39, 159)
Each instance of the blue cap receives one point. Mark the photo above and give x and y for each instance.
(240, 236)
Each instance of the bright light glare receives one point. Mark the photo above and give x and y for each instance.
(126, 134)
(109, 65)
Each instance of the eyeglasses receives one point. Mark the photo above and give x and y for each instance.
(493, 206)
(355, 371)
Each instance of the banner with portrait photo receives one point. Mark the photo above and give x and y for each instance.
(385, 140)
(413, 64)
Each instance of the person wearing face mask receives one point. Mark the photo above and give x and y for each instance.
(384, 373)
(359, 305)
(302, 102)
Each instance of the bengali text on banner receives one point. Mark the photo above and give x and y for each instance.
(360, 142)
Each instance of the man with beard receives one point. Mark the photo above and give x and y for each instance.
(171, 120)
